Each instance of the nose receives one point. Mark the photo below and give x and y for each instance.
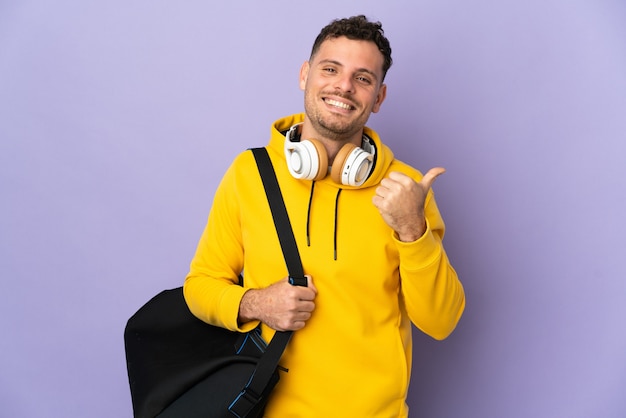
(344, 83)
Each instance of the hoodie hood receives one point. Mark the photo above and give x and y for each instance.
(382, 159)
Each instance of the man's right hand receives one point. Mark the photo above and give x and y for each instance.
(280, 306)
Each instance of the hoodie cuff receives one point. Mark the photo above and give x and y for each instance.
(230, 306)
(420, 253)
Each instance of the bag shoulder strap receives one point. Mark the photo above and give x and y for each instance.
(268, 363)
(279, 213)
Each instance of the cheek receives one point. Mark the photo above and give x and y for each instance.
(373, 104)
(377, 101)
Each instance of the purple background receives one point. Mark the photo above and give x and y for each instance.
(118, 118)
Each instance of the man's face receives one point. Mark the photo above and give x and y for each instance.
(342, 85)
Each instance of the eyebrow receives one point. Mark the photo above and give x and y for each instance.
(359, 70)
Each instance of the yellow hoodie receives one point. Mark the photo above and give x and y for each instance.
(353, 357)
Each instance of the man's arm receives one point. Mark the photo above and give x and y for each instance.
(433, 294)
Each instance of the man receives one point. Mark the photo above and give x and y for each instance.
(369, 235)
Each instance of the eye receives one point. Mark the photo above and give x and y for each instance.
(364, 80)
(329, 70)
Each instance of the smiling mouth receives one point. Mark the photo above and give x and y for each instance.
(338, 104)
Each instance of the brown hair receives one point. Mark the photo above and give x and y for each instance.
(357, 28)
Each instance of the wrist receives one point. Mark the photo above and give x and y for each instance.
(412, 234)
(247, 305)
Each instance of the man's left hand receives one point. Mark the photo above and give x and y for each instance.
(400, 201)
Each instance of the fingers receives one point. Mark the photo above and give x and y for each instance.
(306, 281)
(304, 292)
(430, 177)
(290, 306)
(310, 284)
(397, 183)
(397, 180)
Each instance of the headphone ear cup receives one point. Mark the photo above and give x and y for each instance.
(322, 158)
(306, 159)
(352, 166)
(336, 172)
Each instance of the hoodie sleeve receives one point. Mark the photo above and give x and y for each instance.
(433, 295)
(211, 287)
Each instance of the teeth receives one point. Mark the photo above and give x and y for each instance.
(338, 104)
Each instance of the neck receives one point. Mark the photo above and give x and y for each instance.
(332, 143)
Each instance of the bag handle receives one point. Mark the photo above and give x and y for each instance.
(252, 392)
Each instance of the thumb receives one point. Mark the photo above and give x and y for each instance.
(310, 283)
(430, 177)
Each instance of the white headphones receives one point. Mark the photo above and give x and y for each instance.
(308, 160)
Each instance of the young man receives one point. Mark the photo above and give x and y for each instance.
(369, 234)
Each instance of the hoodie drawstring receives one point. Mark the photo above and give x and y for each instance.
(335, 231)
(308, 220)
(308, 216)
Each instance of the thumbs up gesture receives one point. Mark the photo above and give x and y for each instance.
(400, 201)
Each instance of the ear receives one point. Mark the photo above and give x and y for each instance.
(380, 98)
(304, 74)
